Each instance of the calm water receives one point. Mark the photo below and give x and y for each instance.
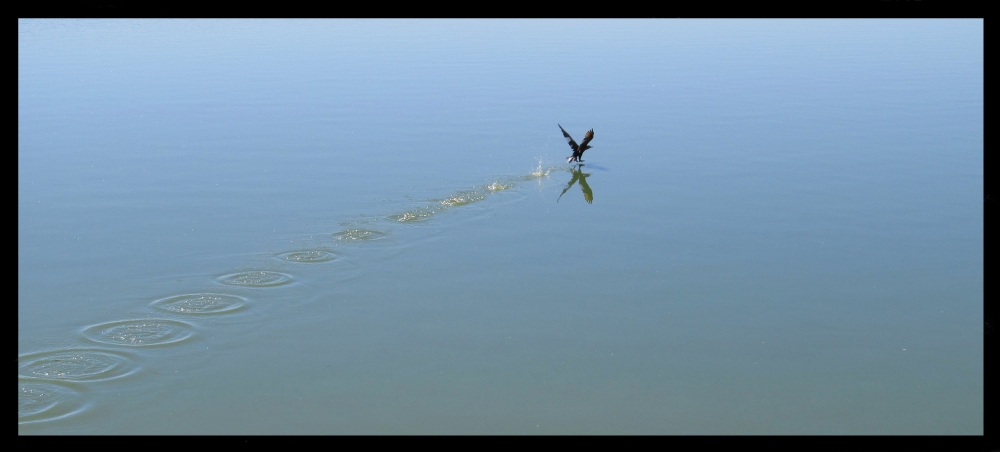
(369, 227)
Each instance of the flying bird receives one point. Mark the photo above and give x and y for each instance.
(577, 148)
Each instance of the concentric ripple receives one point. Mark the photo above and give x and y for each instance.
(139, 333)
(40, 401)
(256, 279)
(358, 235)
(463, 198)
(499, 186)
(201, 303)
(308, 256)
(74, 365)
(418, 214)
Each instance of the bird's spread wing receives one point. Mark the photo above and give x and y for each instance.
(572, 142)
(586, 138)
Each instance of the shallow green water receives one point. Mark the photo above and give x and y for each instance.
(368, 227)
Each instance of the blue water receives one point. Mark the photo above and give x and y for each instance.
(779, 229)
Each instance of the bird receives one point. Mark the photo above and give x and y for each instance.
(577, 148)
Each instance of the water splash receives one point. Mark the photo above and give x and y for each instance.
(499, 186)
(463, 198)
(540, 171)
(458, 199)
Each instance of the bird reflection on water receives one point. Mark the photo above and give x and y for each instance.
(579, 175)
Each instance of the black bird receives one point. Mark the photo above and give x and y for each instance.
(577, 149)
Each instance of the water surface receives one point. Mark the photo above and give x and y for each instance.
(296, 226)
